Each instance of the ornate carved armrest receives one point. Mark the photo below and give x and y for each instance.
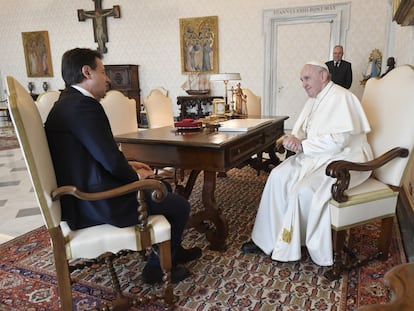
(159, 191)
(340, 170)
(158, 194)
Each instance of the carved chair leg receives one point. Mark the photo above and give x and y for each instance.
(385, 238)
(121, 303)
(166, 264)
(338, 246)
(62, 269)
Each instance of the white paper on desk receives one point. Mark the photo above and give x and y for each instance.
(242, 125)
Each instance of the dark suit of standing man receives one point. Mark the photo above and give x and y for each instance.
(85, 154)
(340, 70)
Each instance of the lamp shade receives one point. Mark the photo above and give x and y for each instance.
(225, 77)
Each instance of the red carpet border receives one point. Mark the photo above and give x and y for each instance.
(220, 281)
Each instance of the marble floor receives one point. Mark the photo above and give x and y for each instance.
(19, 211)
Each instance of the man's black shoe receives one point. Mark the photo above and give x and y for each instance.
(186, 255)
(153, 274)
(250, 247)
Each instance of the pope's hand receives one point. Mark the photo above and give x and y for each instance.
(292, 143)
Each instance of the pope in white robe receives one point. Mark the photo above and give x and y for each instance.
(293, 211)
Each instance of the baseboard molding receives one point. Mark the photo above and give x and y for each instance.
(405, 214)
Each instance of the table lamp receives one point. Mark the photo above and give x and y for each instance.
(225, 77)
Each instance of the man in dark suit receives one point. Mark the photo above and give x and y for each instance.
(340, 70)
(85, 154)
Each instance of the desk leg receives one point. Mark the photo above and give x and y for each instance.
(210, 221)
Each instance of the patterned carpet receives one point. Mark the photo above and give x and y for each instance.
(220, 281)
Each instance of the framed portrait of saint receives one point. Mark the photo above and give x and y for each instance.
(37, 54)
(199, 45)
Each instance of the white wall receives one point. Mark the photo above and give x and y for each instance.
(147, 34)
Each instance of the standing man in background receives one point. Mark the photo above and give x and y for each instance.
(340, 70)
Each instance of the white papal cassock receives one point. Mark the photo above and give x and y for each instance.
(293, 209)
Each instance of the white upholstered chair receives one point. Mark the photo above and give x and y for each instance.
(121, 112)
(100, 241)
(159, 110)
(45, 101)
(254, 110)
(388, 104)
(253, 103)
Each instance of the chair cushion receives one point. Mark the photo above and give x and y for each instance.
(366, 202)
(93, 241)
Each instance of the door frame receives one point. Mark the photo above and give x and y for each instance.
(336, 14)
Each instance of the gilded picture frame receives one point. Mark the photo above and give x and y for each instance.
(199, 45)
(219, 107)
(395, 5)
(37, 54)
(403, 12)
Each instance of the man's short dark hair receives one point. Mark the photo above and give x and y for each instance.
(73, 61)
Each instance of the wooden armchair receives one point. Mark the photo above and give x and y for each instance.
(388, 104)
(98, 243)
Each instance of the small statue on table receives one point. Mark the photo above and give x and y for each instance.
(374, 66)
(240, 101)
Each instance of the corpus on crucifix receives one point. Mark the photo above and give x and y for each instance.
(99, 16)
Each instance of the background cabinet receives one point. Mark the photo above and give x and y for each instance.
(125, 79)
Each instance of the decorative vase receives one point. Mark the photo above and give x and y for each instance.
(30, 86)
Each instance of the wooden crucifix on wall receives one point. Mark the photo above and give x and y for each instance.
(99, 16)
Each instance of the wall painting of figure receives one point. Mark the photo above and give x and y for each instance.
(199, 45)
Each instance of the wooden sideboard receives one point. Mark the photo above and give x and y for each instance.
(200, 103)
(125, 78)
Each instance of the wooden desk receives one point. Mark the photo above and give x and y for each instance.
(204, 150)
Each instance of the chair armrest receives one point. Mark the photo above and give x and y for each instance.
(340, 170)
(158, 194)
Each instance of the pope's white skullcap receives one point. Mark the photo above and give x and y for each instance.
(319, 64)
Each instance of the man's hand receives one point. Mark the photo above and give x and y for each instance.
(143, 170)
(292, 143)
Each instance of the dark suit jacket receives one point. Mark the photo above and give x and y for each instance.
(341, 75)
(85, 154)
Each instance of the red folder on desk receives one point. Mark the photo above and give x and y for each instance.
(188, 124)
